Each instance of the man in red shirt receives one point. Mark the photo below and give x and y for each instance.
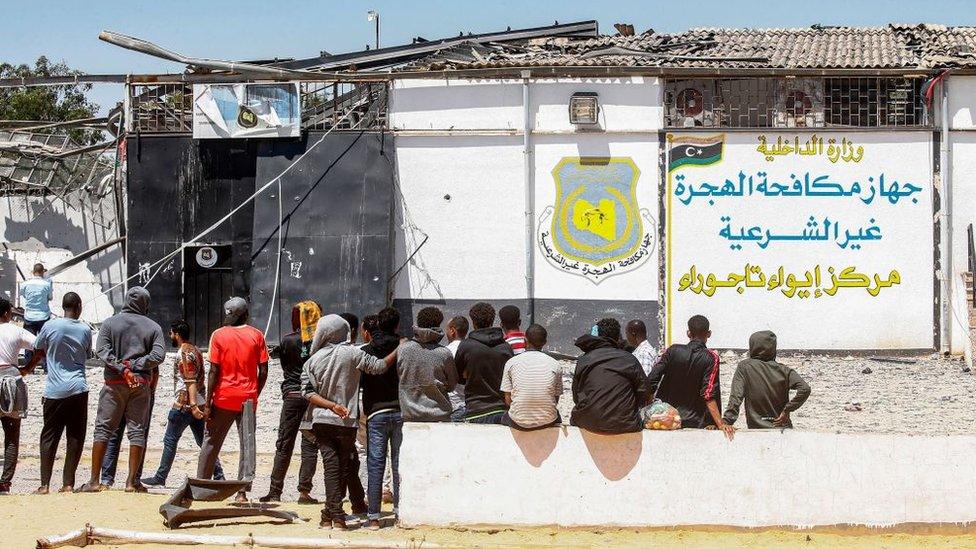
(238, 371)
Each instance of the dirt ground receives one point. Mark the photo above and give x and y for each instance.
(25, 518)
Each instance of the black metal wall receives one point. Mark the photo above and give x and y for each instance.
(337, 205)
(337, 213)
(177, 187)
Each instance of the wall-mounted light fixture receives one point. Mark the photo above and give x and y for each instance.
(584, 109)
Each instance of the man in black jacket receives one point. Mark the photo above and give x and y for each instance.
(687, 377)
(480, 362)
(293, 351)
(381, 408)
(609, 385)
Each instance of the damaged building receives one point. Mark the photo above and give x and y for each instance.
(812, 181)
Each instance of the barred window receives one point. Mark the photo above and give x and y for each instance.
(795, 102)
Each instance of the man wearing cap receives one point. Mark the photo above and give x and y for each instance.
(35, 295)
(238, 371)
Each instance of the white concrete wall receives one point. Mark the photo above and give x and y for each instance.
(44, 229)
(962, 139)
(628, 104)
(476, 247)
(457, 474)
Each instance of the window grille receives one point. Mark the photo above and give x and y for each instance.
(795, 102)
(161, 108)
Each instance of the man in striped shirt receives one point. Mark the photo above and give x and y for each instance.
(687, 377)
(511, 320)
(532, 383)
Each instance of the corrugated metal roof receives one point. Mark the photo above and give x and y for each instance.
(908, 46)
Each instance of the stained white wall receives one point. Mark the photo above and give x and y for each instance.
(569, 477)
(962, 139)
(476, 244)
(44, 229)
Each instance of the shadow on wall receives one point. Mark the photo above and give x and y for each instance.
(614, 455)
(537, 446)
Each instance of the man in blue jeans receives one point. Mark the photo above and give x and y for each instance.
(187, 411)
(381, 407)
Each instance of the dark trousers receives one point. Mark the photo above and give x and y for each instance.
(176, 424)
(214, 433)
(507, 421)
(34, 327)
(110, 462)
(338, 446)
(63, 416)
(11, 447)
(292, 412)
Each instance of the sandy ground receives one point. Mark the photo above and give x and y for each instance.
(932, 395)
(25, 519)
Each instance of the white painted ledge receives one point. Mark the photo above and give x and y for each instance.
(457, 474)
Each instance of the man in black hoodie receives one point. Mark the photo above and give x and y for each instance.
(686, 377)
(381, 408)
(609, 385)
(480, 362)
(765, 385)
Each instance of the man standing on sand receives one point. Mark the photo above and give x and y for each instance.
(457, 330)
(238, 372)
(686, 377)
(36, 293)
(131, 346)
(66, 343)
(187, 410)
(13, 391)
(294, 350)
(765, 385)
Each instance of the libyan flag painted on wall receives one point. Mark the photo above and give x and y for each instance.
(694, 151)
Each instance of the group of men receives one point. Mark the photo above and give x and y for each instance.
(334, 389)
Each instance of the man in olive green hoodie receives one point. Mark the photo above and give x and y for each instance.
(765, 385)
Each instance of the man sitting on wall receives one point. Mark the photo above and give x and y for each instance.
(637, 338)
(532, 383)
(686, 377)
(480, 362)
(765, 385)
(511, 320)
(609, 385)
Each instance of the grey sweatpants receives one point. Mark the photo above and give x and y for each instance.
(217, 427)
(116, 402)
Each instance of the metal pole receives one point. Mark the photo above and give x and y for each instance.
(529, 199)
(946, 206)
(377, 30)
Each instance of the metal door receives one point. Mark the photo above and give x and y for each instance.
(207, 283)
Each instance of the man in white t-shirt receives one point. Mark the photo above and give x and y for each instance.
(637, 338)
(532, 382)
(13, 392)
(457, 330)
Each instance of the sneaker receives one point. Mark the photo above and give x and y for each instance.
(270, 498)
(373, 525)
(339, 524)
(153, 482)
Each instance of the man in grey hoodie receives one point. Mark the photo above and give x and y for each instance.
(765, 385)
(131, 345)
(330, 383)
(427, 372)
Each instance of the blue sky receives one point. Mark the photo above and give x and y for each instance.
(288, 28)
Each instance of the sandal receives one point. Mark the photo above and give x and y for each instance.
(87, 488)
